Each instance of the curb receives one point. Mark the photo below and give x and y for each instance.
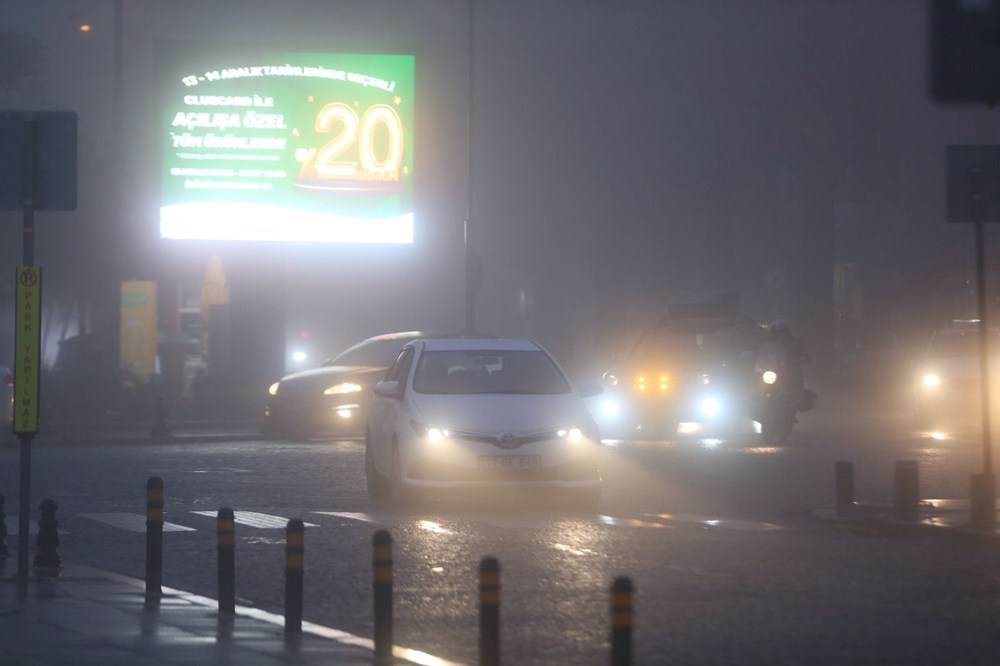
(878, 520)
(132, 432)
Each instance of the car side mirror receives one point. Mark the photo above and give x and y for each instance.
(589, 389)
(389, 389)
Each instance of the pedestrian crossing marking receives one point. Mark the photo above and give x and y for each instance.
(262, 521)
(363, 517)
(132, 521)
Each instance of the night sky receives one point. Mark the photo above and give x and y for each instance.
(625, 154)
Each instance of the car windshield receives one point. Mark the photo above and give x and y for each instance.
(379, 353)
(686, 343)
(957, 345)
(491, 371)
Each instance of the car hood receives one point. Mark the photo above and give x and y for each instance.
(495, 414)
(326, 376)
(679, 363)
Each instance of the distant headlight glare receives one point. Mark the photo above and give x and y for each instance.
(930, 379)
(345, 387)
(573, 435)
(273, 388)
(769, 376)
(710, 406)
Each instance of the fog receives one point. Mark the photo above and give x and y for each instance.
(624, 154)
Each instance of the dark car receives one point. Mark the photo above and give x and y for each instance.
(334, 397)
(687, 375)
(946, 383)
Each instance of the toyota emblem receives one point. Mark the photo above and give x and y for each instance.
(508, 440)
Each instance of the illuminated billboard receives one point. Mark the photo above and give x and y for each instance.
(280, 146)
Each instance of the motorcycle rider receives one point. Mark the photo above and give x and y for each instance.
(779, 335)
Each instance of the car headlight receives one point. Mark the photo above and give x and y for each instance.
(931, 380)
(710, 406)
(610, 408)
(273, 388)
(572, 435)
(769, 376)
(430, 434)
(340, 389)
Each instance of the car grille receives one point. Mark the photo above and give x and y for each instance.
(506, 441)
(433, 470)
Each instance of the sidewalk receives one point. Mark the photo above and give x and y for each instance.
(136, 432)
(90, 617)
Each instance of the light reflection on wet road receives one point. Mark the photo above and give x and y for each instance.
(728, 566)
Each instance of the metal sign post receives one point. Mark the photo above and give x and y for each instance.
(22, 426)
(984, 497)
(37, 172)
(972, 181)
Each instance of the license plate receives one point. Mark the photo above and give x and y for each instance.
(510, 462)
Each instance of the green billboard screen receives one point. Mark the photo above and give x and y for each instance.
(284, 146)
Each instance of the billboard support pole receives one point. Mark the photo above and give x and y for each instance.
(472, 268)
(984, 506)
(28, 253)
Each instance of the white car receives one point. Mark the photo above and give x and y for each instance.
(480, 414)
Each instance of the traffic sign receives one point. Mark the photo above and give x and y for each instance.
(973, 183)
(38, 160)
(965, 51)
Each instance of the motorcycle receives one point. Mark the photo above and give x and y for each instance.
(780, 394)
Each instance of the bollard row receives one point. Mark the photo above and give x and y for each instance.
(906, 494)
(621, 607)
(47, 553)
(906, 490)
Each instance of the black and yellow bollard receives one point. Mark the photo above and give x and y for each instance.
(844, 475)
(227, 560)
(154, 538)
(47, 554)
(489, 612)
(621, 621)
(295, 551)
(906, 491)
(382, 593)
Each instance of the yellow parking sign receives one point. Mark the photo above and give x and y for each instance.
(27, 348)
